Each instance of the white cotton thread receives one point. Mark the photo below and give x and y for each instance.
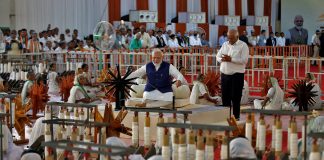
(135, 133)
(166, 152)
(278, 140)
(293, 145)
(175, 153)
(303, 138)
(262, 138)
(314, 156)
(257, 135)
(209, 152)
(288, 139)
(191, 151)
(200, 154)
(248, 131)
(273, 137)
(224, 149)
(147, 139)
(182, 152)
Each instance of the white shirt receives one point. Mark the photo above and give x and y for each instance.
(68, 37)
(239, 52)
(59, 49)
(43, 40)
(46, 49)
(173, 43)
(146, 40)
(154, 41)
(281, 41)
(194, 41)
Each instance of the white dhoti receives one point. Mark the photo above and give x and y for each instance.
(156, 98)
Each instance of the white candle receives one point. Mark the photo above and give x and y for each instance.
(147, 136)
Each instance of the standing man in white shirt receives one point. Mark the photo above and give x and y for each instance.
(145, 38)
(281, 40)
(222, 39)
(233, 57)
(154, 42)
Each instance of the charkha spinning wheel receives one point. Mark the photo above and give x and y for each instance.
(303, 95)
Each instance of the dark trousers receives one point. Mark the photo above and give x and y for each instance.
(232, 86)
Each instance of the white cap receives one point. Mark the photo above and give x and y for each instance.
(241, 148)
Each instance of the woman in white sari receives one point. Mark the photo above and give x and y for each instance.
(77, 93)
(274, 97)
(310, 78)
(200, 93)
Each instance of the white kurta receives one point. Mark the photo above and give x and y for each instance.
(75, 94)
(156, 94)
(276, 99)
(199, 89)
(26, 89)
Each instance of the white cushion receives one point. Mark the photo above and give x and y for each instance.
(139, 91)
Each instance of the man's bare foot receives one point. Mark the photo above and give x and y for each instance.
(140, 105)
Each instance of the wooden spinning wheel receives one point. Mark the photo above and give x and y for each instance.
(116, 127)
(303, 95)
(212, 81)
(39, 98)
(66, 83)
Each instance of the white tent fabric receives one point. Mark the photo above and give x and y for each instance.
(73, 14)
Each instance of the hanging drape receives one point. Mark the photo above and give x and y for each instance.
(73, 14)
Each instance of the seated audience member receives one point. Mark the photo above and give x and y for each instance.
(200, 94)
(274, 97)
(77, 93)
(27, 87)
(136, 42)
(241, 149)
(173, 42)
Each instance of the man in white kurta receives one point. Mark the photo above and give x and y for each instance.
(162, 93)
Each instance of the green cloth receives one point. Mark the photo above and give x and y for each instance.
(135, 44)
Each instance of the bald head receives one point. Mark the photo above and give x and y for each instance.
(157, 56)
(232, 36)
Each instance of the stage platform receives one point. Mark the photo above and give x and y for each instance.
(201, 114)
